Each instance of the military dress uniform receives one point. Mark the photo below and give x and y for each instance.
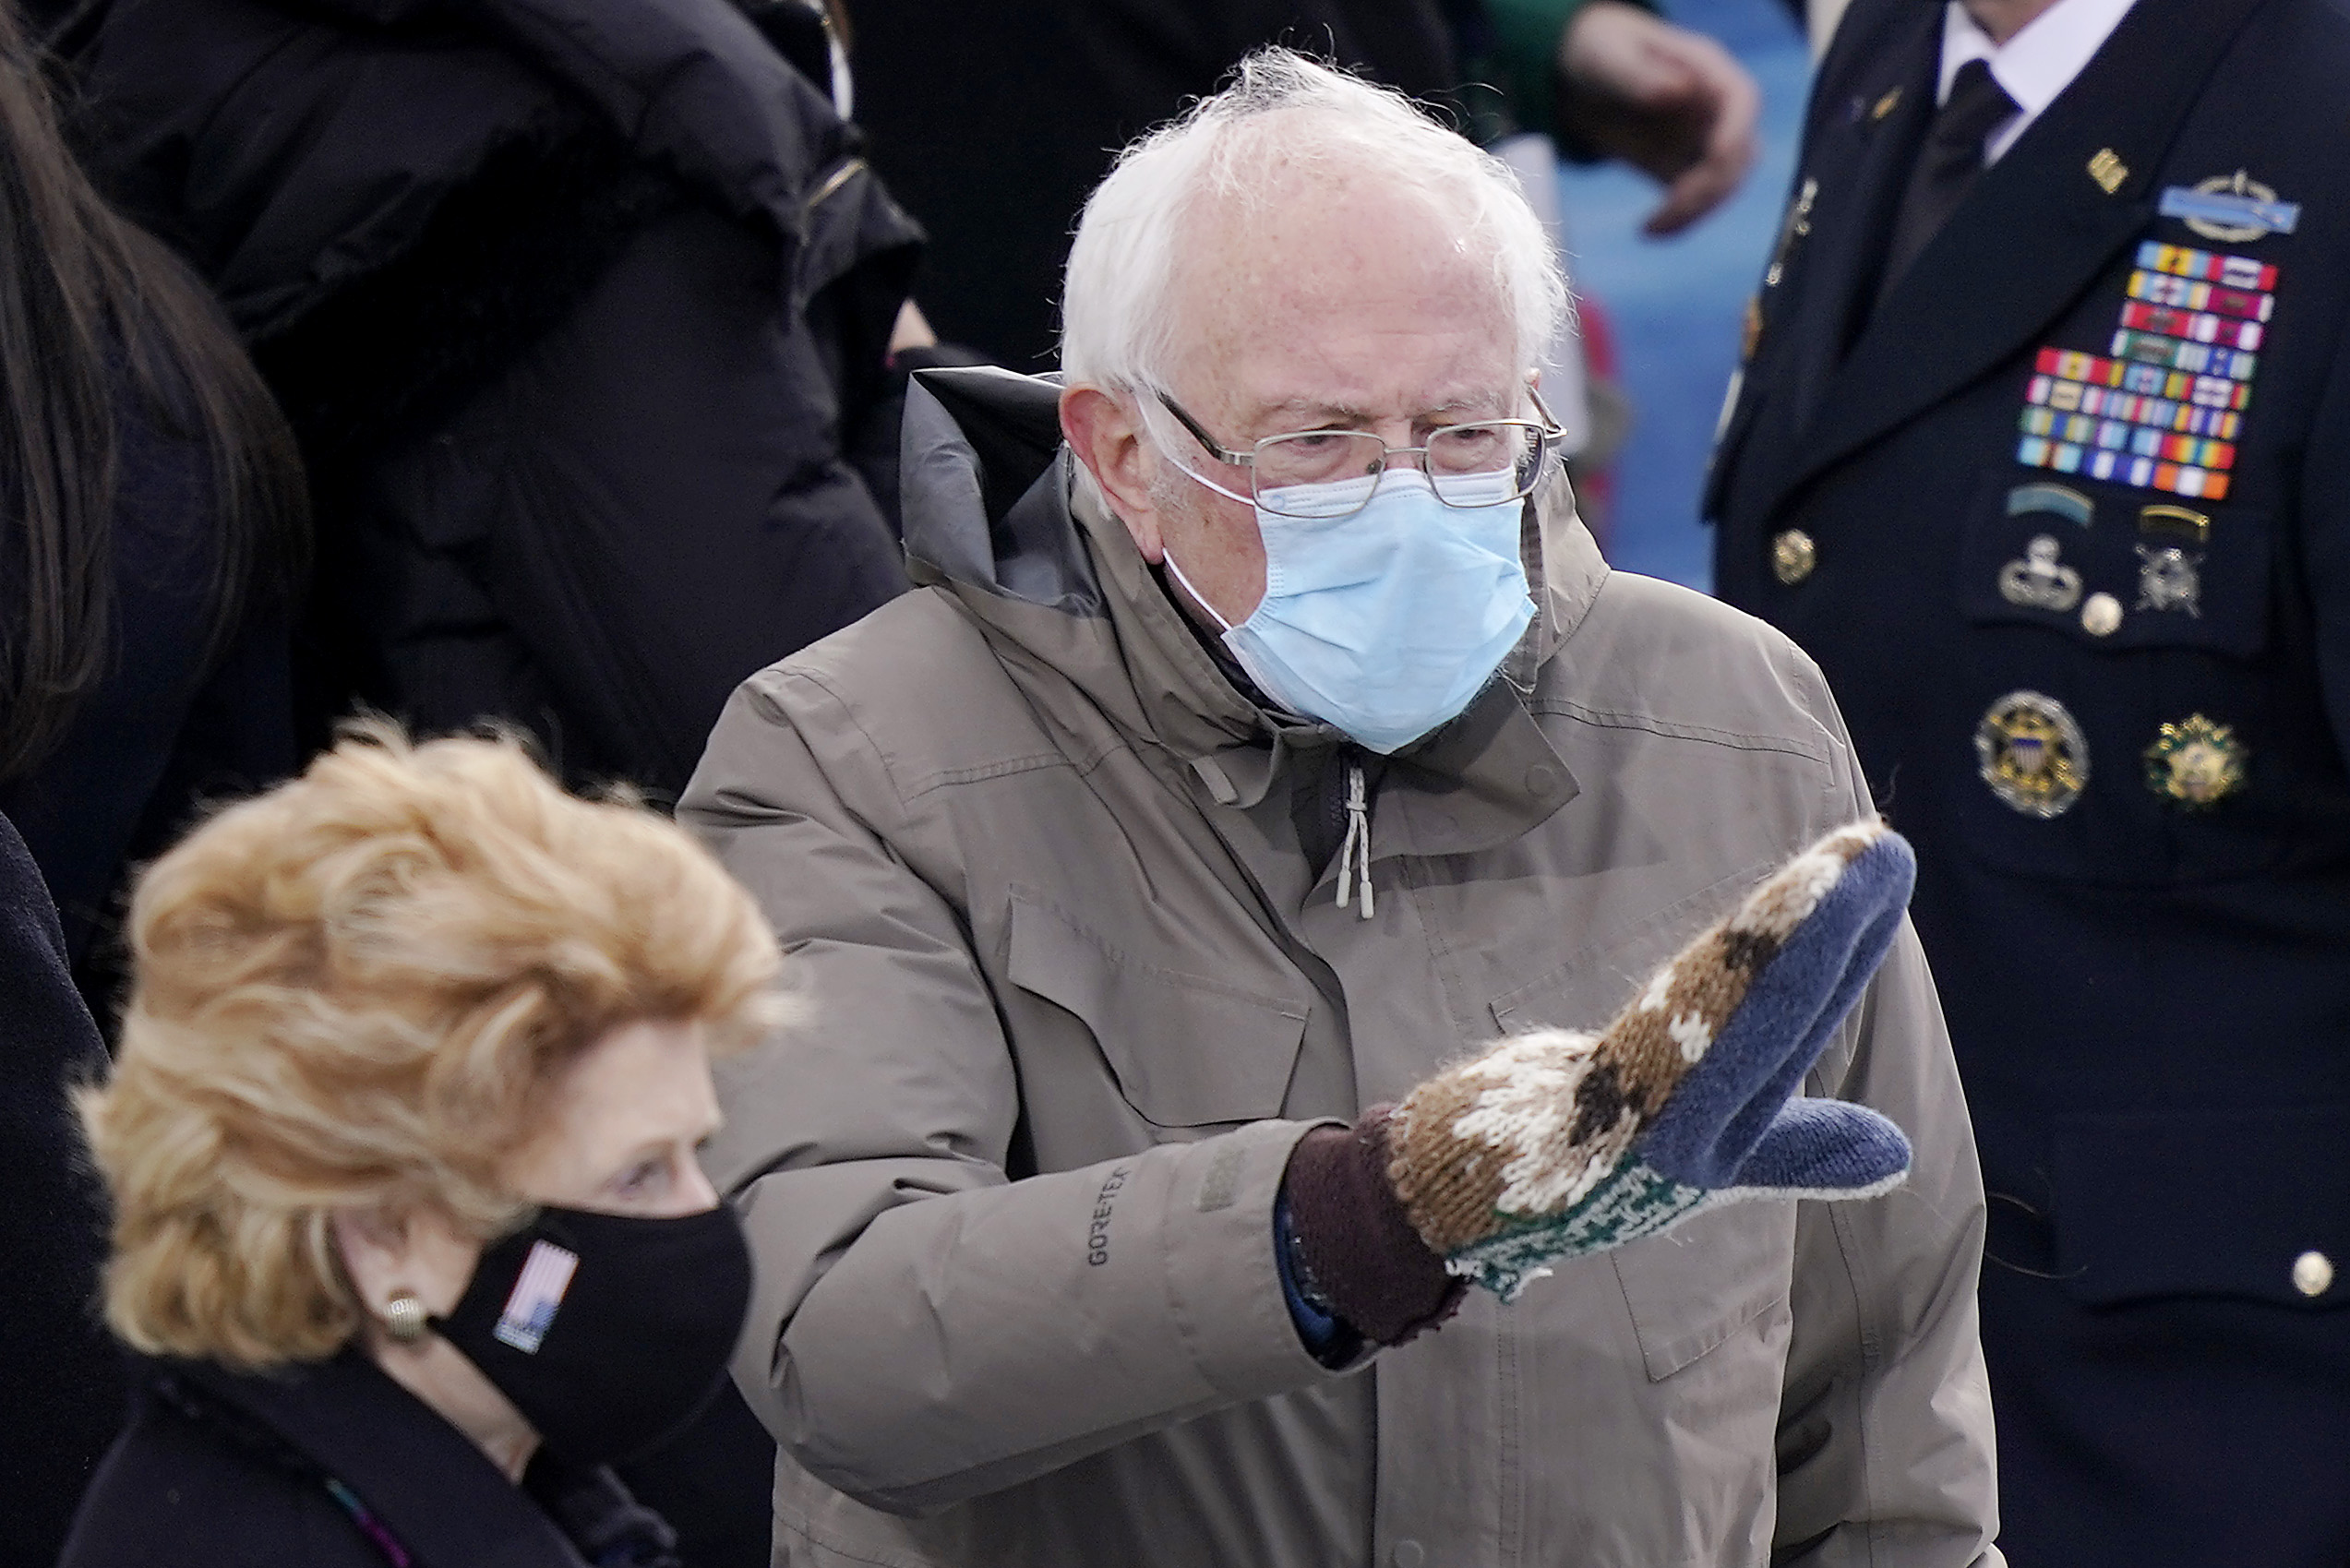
(2065, 514)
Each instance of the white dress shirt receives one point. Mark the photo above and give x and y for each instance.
(2034, 66)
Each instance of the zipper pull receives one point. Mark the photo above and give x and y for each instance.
(1354, 854)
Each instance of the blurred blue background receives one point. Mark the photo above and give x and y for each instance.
(1676, 305)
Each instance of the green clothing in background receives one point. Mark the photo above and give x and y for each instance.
(1524, 60)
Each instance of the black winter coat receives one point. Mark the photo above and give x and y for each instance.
(335, 1466)
(579, 308)
(60, 1387)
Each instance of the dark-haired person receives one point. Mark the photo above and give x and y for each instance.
(152, 531)
(408, 1227)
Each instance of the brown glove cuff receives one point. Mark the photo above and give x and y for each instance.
(1361, 1256)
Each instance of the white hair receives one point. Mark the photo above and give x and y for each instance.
(1118, 326)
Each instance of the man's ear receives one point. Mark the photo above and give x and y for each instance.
(1103, 430)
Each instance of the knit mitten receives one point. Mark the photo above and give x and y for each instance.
(1558, 1144)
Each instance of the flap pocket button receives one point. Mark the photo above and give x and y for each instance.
(2101, 615)
(2312, 1274)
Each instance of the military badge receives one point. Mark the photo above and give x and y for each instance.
(2061, 501)
(2176, 522)
(2195, 762)
(2032, 753)
(2168, 579)
(2160, 409)
(2040, 582)
(2232, 209)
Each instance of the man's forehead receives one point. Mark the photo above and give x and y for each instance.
(1354, 304)
(1346, 223)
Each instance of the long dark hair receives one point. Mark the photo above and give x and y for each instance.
(98, 323)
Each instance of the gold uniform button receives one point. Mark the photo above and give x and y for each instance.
(1792, 556)
(2313, 1274)
(2101, 615)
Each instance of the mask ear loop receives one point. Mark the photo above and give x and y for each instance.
(1176, 571)
(1166, 450)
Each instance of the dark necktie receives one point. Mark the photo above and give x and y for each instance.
(1948, 166)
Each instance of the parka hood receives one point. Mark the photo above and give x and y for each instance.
(991, 513)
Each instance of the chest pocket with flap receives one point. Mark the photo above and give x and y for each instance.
(1189, 1049)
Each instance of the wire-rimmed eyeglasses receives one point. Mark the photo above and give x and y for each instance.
(1486, 463)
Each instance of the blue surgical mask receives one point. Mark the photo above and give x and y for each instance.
(1384, 622)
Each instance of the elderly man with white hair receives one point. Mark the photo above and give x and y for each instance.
(1141, 1182)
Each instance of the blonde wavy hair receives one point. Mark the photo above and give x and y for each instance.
(356, 991)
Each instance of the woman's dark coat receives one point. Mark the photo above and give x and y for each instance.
(335, 1466)
(61, 1392)
(579, 308)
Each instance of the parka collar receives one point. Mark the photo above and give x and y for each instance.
(1055, 575)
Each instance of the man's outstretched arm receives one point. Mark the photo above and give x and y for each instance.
(923, 1329)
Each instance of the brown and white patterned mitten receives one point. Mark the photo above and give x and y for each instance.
(1558, 1144)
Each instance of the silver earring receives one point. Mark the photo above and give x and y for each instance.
(403, 1317)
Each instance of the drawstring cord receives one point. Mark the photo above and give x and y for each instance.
(1354, 854)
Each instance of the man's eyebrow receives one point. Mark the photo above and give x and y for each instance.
(1307, 411)
(1311, 413)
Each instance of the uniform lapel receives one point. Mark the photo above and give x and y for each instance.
(1853, 217)
(2032, 235)
(1862, 131)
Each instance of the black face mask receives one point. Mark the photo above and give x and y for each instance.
(608, 1332)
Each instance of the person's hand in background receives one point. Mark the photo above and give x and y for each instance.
(1670, 102)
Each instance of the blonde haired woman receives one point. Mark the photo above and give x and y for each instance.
(401, 1135)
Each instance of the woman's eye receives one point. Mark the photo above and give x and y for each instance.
(642, 1177)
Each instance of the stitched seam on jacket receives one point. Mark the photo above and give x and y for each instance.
(1675, 730)
(1084, 766)
(1686, 1351)
(1288, 1007)
(807, 1532)
(783, 716)
(980, 771)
